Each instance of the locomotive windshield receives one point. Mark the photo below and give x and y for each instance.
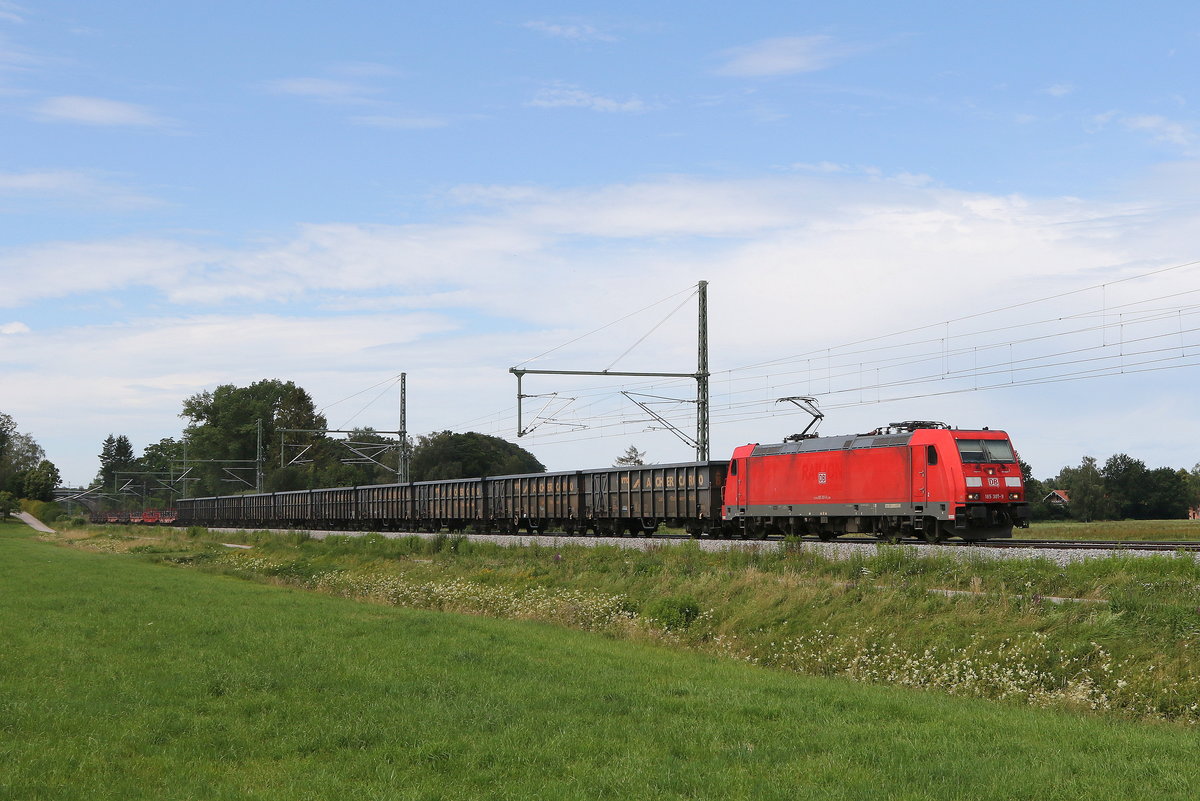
(975, 451)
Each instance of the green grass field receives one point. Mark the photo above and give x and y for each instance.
(124, 679)
(1148, 530)
(1118, 635)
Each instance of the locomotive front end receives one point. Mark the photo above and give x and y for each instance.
(989, 492)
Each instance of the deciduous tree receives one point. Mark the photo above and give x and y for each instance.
(39, 483)
(1085, 485)
(446, 454)
(223, 425)
(1126, 484)
(21, 455)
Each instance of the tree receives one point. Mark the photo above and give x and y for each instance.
(21, 455)
(1166, 494)
(1125, 482)
(116, 456)
(8, 504)
(163, 456)
(1085, 486)
(223, 426)
(631, 458)
(445, 454)
(1193, 483)
(40, 482)
(8, 427)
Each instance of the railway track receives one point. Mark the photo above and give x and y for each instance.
(631, 541)
(1096, 545)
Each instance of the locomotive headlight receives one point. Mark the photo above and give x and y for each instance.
(1014, 496)
(972, 496)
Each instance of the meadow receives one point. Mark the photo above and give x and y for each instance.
(1116, 635)
(1146, 530)
(123, 677)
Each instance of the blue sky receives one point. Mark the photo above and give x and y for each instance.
(333, 193)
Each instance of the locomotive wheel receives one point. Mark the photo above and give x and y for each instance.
(826, 536)
(892, 534)
(934, 535)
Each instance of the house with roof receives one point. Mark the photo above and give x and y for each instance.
(1057, 497)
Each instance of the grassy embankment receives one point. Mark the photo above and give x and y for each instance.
(122, 679)
(1125, 639)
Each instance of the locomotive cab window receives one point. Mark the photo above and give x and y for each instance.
(976, 451)
(930, 454)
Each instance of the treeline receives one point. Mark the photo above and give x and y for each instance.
(217, 451)
(1123, 488)
(25, 472)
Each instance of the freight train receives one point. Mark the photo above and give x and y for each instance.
(913, 479)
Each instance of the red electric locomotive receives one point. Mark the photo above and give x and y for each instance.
(916, 478)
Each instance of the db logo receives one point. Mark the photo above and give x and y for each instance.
(993, 482)
(821, 478)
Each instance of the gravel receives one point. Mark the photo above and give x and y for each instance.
(830, 550)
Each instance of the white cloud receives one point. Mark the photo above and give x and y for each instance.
(66, 185)
(324, 89)
(63, 269)
(785, 55)
(1059, 89)
(401, 122)
(578, 32)
(99, 111)
(536, 231)
(1162, 129)
(365, 69)
(15, 58)
(573, 97)
(796, 262)
(11, 12)
(15, 327)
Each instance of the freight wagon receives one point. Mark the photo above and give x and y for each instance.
(607, 501)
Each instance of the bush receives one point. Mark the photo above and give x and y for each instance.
(8, 504)
(674, 612)
(42, 510)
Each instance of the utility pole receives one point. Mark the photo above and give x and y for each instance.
(368, 452)
(403, 459)
(258, 461)
(701, 375)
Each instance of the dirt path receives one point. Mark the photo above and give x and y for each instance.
(34, 523)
